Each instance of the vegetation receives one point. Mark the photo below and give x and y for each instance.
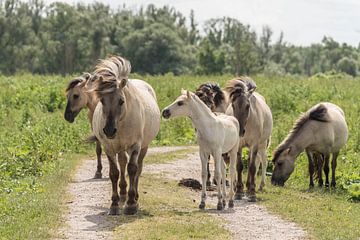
(35, 140)
(61, 38)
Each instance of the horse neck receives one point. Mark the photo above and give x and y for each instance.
(200, 115)
(302, 139)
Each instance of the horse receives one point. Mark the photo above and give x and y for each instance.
(216, 135)
(78, 97)
(321, 130)
(255, 120)
(217, 100)
(125, 121)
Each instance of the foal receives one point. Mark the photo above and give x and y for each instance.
(216, 135)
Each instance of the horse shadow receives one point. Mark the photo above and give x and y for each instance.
(104, 222)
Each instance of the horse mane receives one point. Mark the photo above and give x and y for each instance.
(236, 87)
(111, 71)
(77, 80)
(316, 113)
(219, 95)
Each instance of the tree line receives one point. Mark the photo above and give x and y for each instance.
(62, 39)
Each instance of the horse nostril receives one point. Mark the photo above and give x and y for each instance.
(166, 113)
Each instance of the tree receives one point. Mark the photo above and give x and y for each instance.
(347, 65)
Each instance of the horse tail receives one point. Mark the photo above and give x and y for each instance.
(91, 139)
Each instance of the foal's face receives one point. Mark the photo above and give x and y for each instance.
(284, 166)
(179, 108)
(76, 100)
(113, 109)
(241, 108)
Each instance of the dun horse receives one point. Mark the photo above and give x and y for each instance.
(216, 135)
(255, 120)
(125, 121)
(78, 98)
(321, 130)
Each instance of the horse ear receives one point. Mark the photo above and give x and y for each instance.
(123, 83)
(87, 76)
(188, 94)
(183, 91)
(288, 150)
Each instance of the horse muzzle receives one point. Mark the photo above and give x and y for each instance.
(109, 132)
(277, 182)
(69, 116)
(166, 114)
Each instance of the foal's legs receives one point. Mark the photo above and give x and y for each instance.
(218, 176)
(132, 168)
(239, 168)
(223, 180)
(208, 182)
(122, 158)
(311, 168)
(204, 159)
(114, 176)
(326, 169)
(333, 168)
(98, 155)
(140, 166)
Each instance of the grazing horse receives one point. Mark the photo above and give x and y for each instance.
(216, 135)
(321, 131)
(126, 120)
(255, 120)
(78, 98)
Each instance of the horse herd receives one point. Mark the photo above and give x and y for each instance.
(125, 118)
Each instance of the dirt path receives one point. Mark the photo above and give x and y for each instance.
(86, 215)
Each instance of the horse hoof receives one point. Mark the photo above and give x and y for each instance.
(98, 175)
(239, 196)
(114, 210)
(202, 205)
(214, 182)
(208, 183)
(231, 203)
(333, 185)
(122, 198)
(326, 185)
(131, 210)
(252, 198)
(219, 206)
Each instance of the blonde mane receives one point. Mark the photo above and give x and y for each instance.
(239, 85)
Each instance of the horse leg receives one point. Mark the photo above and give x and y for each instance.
(326, 169)
(217, 160)
(251, 172)
(248, 176)
(140, 166)
(122, 159)
(204, 159)
(223, 181)
(114, 176)
(311, 168)
(333, 168)
(208, 182)
(262, 155)
(99, 165)
(233, 155)
(132, 168)
(319, 168)
(239, 168)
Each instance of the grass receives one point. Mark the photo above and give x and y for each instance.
(169, 156)
(324, 213)
(170, 212)
(36, 214)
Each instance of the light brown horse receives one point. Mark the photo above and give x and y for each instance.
(79, 98)
(321, 130)
(255, 120)
(126, 120)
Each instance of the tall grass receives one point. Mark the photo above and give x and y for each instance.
(35, 139)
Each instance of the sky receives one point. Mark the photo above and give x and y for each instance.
(303, 21)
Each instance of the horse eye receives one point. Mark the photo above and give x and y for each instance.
(199, 95)
(180, 103)
(76, 96)
(121, 102)
(279, 163)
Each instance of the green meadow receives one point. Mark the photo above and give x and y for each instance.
(39, 149)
